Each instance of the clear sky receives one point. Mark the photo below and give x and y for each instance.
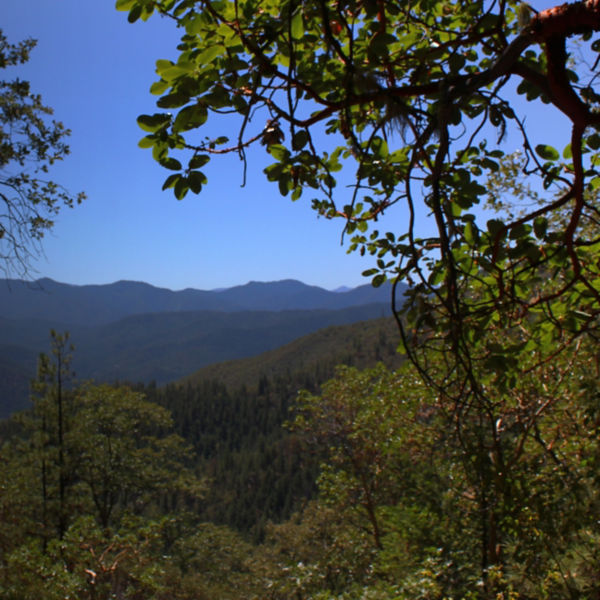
(95, 70)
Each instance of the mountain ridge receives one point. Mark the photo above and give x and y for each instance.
(158, 347)
(95, 304)
(132, 331)
(361, 343)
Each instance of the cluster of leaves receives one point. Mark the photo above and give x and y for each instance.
(411, 96)
(500, 504)
(30, 143)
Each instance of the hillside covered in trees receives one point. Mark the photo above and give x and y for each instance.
(220, 454)
(356, 487)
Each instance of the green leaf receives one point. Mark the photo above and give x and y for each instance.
(378, 280)
(209, 55)
(162, 65)
(380, 147)
(171, 180)
(147, 141)
(470, 232)
(159, 87)
(181, 188)
(593, 141)
(531, 91)
(134, 14)
(299, 140)
(489, 164)
(380, 43)
(173, 72)
(547, 152)
(160, 150)
(173, 100)
(153, 123)
(196, 179)
(273, 171)
(297, 26)
(519, 231)
(170, 163)
(190, 117)
(495, 227)
(284, 183)
(437, 276)
(279, 152)
(540, 226)
(124, 4)
(198, 161)
(456, 62)
(595, 183)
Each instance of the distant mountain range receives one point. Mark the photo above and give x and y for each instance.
(101, 304)
(131, 331)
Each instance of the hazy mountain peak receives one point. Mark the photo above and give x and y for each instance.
(102, 303)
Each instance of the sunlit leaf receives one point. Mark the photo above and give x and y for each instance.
(547, 152)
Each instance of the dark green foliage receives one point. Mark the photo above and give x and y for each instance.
(87, 476)
(125, 483)
(465, 515)
(365, 107)
(404, 508)
(258, 471)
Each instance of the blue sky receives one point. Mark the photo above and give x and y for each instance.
(95, 70)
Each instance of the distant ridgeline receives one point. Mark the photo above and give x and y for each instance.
(131, 331)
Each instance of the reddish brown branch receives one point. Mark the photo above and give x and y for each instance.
(566, 20)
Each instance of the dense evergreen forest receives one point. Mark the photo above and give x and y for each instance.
(260, 471)
(356, 487)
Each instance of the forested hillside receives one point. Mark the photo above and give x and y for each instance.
(359, 344)
(233, 415)
(241, 468)
(200, 488)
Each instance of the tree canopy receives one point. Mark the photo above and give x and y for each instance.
(30, 143)
(410, 102)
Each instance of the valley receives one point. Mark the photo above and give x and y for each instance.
(133, 332)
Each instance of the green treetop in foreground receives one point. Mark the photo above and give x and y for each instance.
(30, 142)
(416, 97)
